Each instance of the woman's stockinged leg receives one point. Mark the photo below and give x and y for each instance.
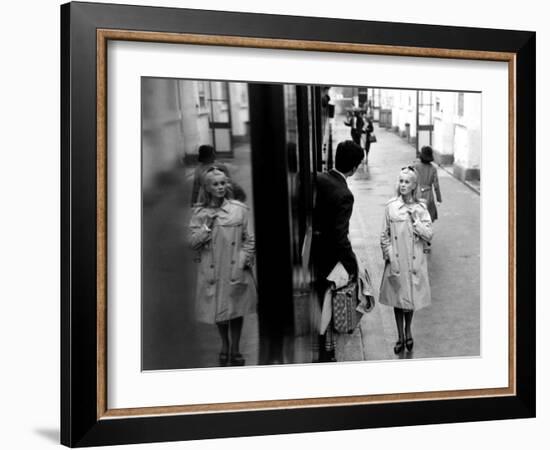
(408, 335)
(399, 345)
(398, 312)
(408, 322)
(235, 328)
(223, 330)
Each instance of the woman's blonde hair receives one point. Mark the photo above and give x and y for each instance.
(204, 198)
(411, 172)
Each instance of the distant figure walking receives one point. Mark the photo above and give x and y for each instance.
(368, 130)
(225, 286)
(356, 123)
(428, 181)
(406, 230)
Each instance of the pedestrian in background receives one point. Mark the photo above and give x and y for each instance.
(226, 291)
(405, 283)
(356, 122)
(368, 130)
(428, 181)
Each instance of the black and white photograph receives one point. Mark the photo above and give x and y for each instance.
(373, 200)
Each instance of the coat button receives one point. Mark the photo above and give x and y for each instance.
(397, 255)
(232, 243)
(396, 238)
(211, 266)
(212, 282)
(414, 257)
(232, 262)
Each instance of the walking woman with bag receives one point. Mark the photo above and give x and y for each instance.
(406, 231)
(428, 181)
(226, 290)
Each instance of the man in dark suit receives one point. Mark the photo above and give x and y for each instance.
(331, 215)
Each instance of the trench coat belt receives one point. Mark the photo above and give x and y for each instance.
(424, 188)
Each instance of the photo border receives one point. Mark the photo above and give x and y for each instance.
(86, 29)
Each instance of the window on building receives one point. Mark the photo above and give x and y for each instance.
(460, 104)
(201, 90)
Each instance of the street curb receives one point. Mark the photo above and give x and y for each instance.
(445, 168)
(464, 182)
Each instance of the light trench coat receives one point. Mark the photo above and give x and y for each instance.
(405, 282)
(225, 284)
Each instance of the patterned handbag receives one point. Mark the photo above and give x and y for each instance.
(344, 303)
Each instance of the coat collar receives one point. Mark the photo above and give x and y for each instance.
(224, 206)
(339, 176)
(401, 203)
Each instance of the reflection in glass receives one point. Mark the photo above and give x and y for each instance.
(188, 126)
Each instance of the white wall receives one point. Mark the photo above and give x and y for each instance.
(162, 144)
(444, 128)
(239, 108)
(29, 229)
(467, 133)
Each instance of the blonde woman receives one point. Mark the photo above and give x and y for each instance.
(225, 287)
(406, 231)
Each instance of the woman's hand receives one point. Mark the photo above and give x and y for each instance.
(209, 221)
(204, 234)
(421, 224)
(394, 267)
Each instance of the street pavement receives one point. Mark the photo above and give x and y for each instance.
(450, 327)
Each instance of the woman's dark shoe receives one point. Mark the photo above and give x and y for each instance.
(237, 359)
(409, 344)
(327, 356)
(223, 358)
(398, 348)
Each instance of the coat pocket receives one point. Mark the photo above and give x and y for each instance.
(394, 264)
(238, 269)
(207, 270)
(391, 277)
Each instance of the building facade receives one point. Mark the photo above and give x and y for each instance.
(178, 116)
(450, 122)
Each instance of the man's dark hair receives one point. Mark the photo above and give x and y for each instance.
(207, 154)
(348, 156)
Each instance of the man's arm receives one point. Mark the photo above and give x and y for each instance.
(343, 246)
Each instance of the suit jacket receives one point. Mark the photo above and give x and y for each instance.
(331, 215)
